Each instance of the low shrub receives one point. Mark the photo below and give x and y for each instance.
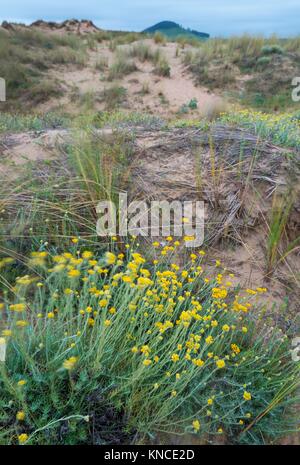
(272, 49)
(163, 349)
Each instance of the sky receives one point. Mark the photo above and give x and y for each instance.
(217, 17)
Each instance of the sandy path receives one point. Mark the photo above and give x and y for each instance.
(165, 97)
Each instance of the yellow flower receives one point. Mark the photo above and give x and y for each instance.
(196, 425)
(218, 293)
(175, 358)
(21, 323)
(210, 401)
(247, 395)
(91, 322)
(7, 332)
(198, 362)
(110, 258)
(103, 302)
(225, 328)
(50, 315)
(20, 415)
(220, 363)
(132, 307)
(22, 382)
(244, 329)
(235, 348)
(22, 438)
(73, 273)
(147, 362)
(173, 393)
(209, 340)
(134, 350)
(143, 282)
(87, 254)
(18, 307)
(107, 323)
(75, 240)
(70, 363)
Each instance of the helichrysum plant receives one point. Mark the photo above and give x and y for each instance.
(112, 346)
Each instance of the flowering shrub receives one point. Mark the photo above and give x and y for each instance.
(162, 348)
(282, 129)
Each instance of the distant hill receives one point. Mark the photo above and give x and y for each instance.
(173, 30)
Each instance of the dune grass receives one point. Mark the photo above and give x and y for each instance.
(272, 64)
(25, 57)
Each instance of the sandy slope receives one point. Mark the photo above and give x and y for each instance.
(165, 97)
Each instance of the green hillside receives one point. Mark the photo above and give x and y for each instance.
(173, 30)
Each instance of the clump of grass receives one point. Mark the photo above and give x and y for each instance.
(280, 213)
(142, 52)
(64, 56)
(43, 91)
(114, 96)
(121, 67)
(166, 349)
(101, 64)
(159, 38)
(101, 165)
(162, 67)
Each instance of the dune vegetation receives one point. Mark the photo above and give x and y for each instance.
(142, 340)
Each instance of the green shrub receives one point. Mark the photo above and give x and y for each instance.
(263, 61)
(272, 49)
(193, 104)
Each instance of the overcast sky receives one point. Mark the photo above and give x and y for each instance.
(217, 17)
